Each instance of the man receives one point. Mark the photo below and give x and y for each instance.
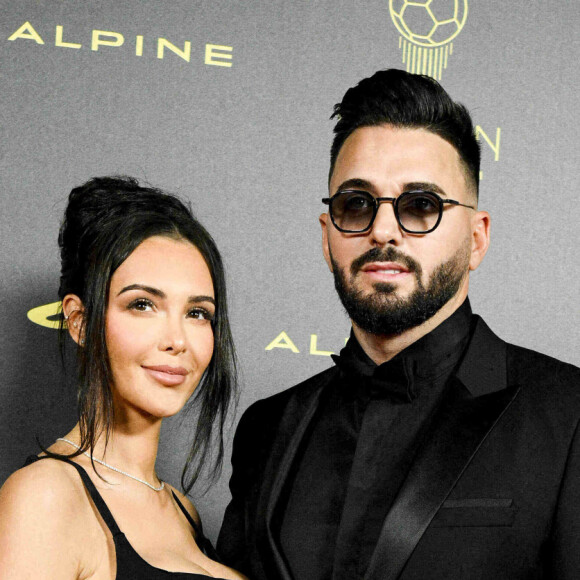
(432, 449)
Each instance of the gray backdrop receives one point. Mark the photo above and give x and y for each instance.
(248, 145)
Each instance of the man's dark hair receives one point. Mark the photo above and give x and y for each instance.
(395, 97)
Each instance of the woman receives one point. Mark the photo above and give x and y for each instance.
(143, 296)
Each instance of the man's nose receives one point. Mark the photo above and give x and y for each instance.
(385, 228)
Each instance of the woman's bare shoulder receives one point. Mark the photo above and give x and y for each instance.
(41, 516)
(44, 483)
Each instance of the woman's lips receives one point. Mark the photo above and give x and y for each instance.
(167, 375)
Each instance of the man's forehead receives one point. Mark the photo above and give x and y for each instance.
(384, 151)
(375, 138)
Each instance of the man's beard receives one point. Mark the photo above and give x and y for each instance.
(383, 312)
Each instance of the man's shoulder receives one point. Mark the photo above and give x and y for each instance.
(524, 364)
(302, 391)
(532, 368)
(540, 377)
(260, 422)
(538, 360)
(545, 386)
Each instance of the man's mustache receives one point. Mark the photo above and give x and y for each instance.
(389, 254)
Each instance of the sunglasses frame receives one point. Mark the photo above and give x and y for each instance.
(395, 201)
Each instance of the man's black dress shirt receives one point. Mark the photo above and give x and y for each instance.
(370, 422)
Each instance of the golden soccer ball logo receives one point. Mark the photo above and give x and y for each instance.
(427, 29)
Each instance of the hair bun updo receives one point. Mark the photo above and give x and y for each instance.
(95, 212)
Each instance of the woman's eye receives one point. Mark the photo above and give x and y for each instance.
(141, 305)
(200, 314)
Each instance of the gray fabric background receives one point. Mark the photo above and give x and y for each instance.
(248, 145)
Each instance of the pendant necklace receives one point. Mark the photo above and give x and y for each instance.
(114, 468)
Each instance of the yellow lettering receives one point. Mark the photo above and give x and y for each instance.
(314, 347)
(59, 42)
(185, 54)
(282, 341)
(494, 146)
(98, 35)
(214, 52)
(27, 31)
(47, 315)
(139, 45)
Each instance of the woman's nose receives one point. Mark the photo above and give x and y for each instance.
(173, 339)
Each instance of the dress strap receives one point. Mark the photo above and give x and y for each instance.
(90, 486)
(202, 542)
(192, 522)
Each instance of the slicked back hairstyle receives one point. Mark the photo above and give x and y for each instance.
(404, 100)
(104, 221)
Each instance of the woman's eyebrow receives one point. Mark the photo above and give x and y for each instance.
(161, 294)
(198, 299)
(148, 289)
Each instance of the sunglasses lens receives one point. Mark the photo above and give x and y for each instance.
(418, 211)
(352, 211)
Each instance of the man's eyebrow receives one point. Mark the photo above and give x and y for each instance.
(424, 186)
(148, 289)
(358, 183)
(355, 183)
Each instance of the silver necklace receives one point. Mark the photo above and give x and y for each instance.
(114, 468)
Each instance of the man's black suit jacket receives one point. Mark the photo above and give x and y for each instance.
(494, 492)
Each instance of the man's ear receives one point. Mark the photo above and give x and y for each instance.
(323, 219)
(480, 226)
(73, 311)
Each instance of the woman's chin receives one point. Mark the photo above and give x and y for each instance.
(133, 410)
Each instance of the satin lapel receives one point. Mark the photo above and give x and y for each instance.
(459, 428)
(294, 422)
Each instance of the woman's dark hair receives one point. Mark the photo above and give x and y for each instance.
(105, 220)
(395, 97)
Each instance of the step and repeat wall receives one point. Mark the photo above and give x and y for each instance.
(227, 104)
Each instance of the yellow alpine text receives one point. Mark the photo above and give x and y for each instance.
(284, 342)
(210, 54)
(490, 140)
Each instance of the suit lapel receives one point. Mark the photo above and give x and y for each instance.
(294, 422)
(477, 396)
